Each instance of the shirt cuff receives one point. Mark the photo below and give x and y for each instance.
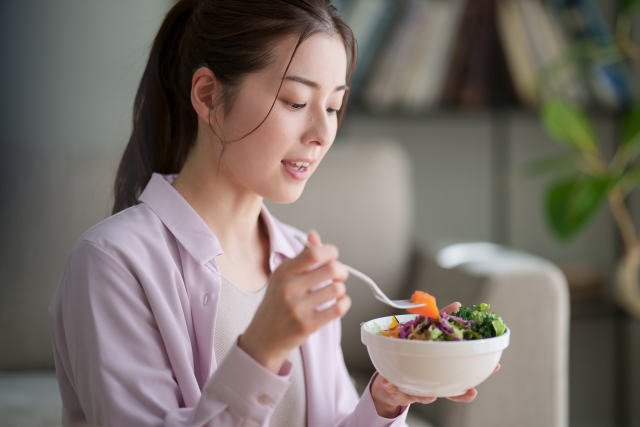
(246, 386)
(375, 420)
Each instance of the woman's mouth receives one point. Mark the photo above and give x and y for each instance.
(297, 170)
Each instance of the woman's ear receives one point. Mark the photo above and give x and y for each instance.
(204, 88)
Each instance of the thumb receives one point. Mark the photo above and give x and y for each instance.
(314, 238)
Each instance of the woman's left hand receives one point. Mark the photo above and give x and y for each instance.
(388, 399)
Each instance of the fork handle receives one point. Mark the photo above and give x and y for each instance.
(378, 294)
(360, 275)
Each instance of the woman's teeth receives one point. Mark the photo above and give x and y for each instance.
(298, 165)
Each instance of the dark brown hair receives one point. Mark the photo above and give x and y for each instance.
(230, 37)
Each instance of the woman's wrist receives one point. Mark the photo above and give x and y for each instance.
(269, 361)
(383, 408)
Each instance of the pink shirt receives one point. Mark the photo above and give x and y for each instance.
(133, 321)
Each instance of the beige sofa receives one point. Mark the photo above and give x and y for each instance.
(361, 199)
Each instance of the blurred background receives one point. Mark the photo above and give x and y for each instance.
(448, 81)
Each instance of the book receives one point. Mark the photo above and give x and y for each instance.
(426, 81)
(369, 20)
(610, 84)
(459, 55)
(469, 79)
(475, 86)
(566, 81)
(544, 34)
(407, 78)
(518, 50)
(382, 88)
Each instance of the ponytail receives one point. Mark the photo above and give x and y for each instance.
(232, 38)
(163, 131)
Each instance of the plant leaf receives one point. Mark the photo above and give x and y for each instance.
(631, 128)
(629, 7)
(568, 125)
(570, 204)
(630, 179)
(556, 165)
(634, 174)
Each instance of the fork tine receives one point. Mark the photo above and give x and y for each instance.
(399, 303)
(405, 305)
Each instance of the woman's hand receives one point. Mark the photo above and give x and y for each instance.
(288, 315)
(388, 398)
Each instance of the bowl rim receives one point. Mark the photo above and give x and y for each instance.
(449, 348)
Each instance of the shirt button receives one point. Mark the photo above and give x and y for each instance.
(264, 399)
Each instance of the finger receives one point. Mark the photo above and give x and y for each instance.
(339, 309)
(451, 308)
(403, 398)
(314, 238)
(331, 271)
(466, 398)
(309, 257)
(496, 369)
(329, 292)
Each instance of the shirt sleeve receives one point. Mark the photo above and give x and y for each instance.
(118, 372)
(352, 412)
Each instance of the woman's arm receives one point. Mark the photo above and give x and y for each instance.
(120, 369)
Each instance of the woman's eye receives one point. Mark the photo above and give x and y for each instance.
(296, 106)
(332, 111)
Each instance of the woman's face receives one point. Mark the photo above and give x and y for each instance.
(276, 160)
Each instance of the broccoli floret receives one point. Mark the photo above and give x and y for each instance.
(487, 324)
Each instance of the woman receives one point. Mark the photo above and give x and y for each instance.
(195, 306)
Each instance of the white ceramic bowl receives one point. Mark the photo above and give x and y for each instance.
(431, 368)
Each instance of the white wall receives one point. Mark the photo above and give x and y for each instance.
(70, 70)
(453, 167)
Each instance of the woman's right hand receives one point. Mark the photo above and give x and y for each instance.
(288, 315)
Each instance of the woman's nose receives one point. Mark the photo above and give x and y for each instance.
(321, 127)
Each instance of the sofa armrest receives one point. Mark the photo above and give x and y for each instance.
(531, 296)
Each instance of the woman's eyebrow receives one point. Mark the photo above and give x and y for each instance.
(312, 84)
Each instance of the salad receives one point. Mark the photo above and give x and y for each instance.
(468, 323)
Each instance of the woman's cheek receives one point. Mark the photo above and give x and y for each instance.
(291, 128)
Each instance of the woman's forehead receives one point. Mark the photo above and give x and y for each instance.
(320, 59)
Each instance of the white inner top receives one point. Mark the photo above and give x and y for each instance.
(235, 311)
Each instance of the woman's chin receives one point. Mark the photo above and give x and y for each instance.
(284, 198)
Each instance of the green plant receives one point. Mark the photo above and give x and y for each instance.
(585, 179)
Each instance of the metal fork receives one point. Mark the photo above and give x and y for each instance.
(402, 304)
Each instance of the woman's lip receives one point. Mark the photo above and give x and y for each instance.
(295, 174)
(301, 160)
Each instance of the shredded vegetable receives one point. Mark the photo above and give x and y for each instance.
(468, 323)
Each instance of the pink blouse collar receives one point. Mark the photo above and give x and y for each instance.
(193, 233)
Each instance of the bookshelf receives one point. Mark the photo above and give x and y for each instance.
(417, 56)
